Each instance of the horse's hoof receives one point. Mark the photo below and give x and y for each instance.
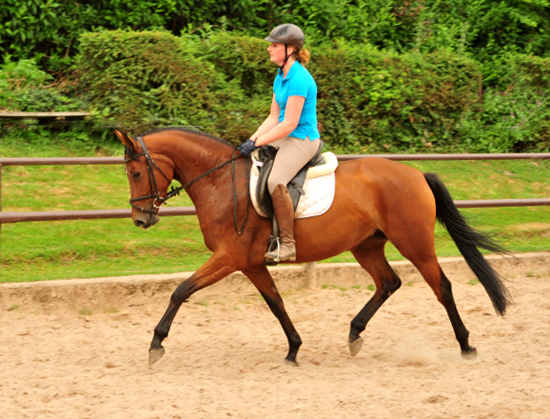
(155, 355)
(469, 354)
(290, 362)
(355, 346)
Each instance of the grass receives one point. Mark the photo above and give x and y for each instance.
(95, 248)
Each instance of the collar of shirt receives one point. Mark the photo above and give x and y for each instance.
(293, 69)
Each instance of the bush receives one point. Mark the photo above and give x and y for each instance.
(368, 100)
(373, 100)
(49, 30)
(140, 80)
(534, 71)
(24, 87)
(242, 59)
(516, 116)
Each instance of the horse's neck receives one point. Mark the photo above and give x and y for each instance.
(198, 157)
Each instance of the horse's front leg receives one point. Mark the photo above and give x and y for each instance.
(211, 272)
(262, 279)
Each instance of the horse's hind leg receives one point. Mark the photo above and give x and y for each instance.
(261, 278)
(372, 258)
(422, 255)
(441, 286)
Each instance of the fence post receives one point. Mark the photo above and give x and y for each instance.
(311, 276)
(0, 208)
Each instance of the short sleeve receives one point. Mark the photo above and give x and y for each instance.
(298, 87)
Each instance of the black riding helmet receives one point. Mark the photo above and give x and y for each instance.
(287, 34)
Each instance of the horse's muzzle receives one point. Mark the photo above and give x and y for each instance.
(145, 219)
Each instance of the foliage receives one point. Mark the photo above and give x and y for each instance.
(370, 98)
(515, 117)
(366, 97)
(484, 29)
(535, 71)
(50, 28)
(242, 59)
(140, 80)
(25, 87)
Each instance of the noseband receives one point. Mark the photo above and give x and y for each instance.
(159, 200)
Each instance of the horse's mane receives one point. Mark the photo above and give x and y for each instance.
(189, 131)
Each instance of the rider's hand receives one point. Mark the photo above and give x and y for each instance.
(247, 147)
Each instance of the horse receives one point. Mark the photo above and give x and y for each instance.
(376, 200)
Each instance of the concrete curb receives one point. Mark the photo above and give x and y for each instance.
(99, 293)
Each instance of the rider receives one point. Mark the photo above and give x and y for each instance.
(291, 127)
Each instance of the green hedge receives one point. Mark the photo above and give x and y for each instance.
(140, 80)
(25, 87)
(369, 100)
(515, 115)
(242, 59)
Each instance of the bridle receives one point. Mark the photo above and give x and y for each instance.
(152, 180)
(158, 200)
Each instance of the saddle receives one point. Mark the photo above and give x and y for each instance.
(266, 155)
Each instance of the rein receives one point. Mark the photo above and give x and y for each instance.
(176, 191)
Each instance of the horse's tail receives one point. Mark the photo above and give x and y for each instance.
(467, 239)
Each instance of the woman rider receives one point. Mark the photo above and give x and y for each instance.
(291, 127)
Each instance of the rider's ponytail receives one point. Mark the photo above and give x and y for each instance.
(302, 56)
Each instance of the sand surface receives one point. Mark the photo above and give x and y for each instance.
(224, 357)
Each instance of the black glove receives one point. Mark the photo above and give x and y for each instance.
(247, 147)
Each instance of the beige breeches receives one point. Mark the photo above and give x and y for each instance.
(293, 154)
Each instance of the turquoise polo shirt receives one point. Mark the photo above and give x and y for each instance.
(298, 82)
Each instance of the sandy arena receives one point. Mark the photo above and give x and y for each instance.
(79, 350)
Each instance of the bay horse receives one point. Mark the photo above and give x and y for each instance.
(376, 200)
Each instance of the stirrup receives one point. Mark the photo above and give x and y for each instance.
(291, 257)
(276, 259)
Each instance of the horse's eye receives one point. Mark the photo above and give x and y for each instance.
(136, 175)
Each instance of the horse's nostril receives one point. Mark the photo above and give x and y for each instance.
(139, 223)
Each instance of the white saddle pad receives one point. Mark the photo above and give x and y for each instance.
(319, 187)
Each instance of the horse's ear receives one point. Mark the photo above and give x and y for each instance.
(127, 141)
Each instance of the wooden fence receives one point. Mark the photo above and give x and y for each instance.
(15, 217)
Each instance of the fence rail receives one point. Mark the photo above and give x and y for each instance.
(15, 217)
(43, 117)
(45, 161)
